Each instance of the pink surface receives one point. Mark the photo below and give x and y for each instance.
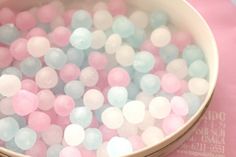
(216, 135)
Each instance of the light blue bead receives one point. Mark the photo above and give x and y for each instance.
(81, 18)
(93, 139)
(133, 90)
(158, 19)
(59, 89)
(54, 150)
(194, 103)
(150, 84)
(81, 38)
(55, 58)
(30, 66)
(8, 34)
(137, 77)
(13, 71)
(123, 26)
(117, 96)
(11, 145)
(8, 128)
(20, 120)
(192, 53)
(25, 138)
(74, 89)
(144, 62)
(169, 53)
(137, 38)
(75, 56)
(198, 69)
(82, 116)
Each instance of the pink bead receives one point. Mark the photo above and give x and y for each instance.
(172, 123)
(94, 123)
(68, 16)
(107, 133)
(60, 36)
(118, 77)
(179, 106)
(18, 49)
(170, 83)
(25, 21)
(47, 13)
(62, 121)
(29, 85)
(39, 121)
(181, 39)
(87, 153)
(97, 60)
(38, 150)
(5, 57)
(6, 16)
(25, 102)
(36, 32)
(102, 82)
(52, 114)
(46, 99)
(184, 88)
(70, 152)
(148, 46)
(159, 65)
(136, 142)
(69, 72)
(63, 105)
(117, 7)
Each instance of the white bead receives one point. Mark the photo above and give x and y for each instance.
(160, 107)
(9, 85)
(160, 37)
(134, 112)
(98, 39)
(178, 67)
(89, 76)
(125, 55)
(198, 86)
(102, 19)
(152, 136)
(112, 118)
(74, 135)
(113, 42)
(139, 18)
(93, 99)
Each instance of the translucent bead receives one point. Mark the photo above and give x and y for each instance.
(119, 146)
(198, 86)
(39, 126)
(74, 135)
(178, 67)
(97, 60)
(152, 135)
(9, 85)
(30, 66)
(158, 19)
(102, 150)
(144, 97)
(117, 7)
(193, 101)
(70, 151)
(38, 46)
(6, 16)
(25, 138)
(112, 118)
(81, 18)
(12, 71)
(36, 32)
(182, 39)
(161, 37)
(74, 89)
(54, 150)
(192, 53)
(81, 38)
(150, 84)
(99, 6)
(25, 21)
(11, 145)
(46, 78)
(8, 34)
(6, 58)
(134, 111)
(198, 69)
(55, 58)
(127, 130)
(136, 142)
(75, 56)
(46, 13)
(143, 62)
(102, 19)
(93, 139)
(6, 106)
(82, 116)
(112, 44)
(170, 83)
(53, 135)
(139, 18)
(125, 55)
(63, 105)
(179, 106)
(93, 99)
(147, 122)
(118, 77)
(133, 90)
(39, 149)
(169, 53)
(137, 38)
(123, 26)
(29, 85)
(117, 96)
(8, 128)
(61, 36)
(18, 49)
(98, 39)
(89, 76)
(172, 123)
(159, 107)
(46, 99)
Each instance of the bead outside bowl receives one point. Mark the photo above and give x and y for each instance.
(183, 16)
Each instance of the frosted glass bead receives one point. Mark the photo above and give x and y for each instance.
(147, 122)
(169, 53)
(158, 19)
(98, 39)
(53, 135)
(159, 107)
(133, 90)
(139, 18)
(102, 19)
(100, 6)
(75, 56)
(134, 112)
(117, 96)
(192, 53)
(9, 85)
(112, 44)
(63, 105)
(75, 89)
(144, 97)
(8, 128)
(143, 62)
(152, 135)
(6, 58)
(194, 103)
(178, 67)
(6, 107)
(25, 21)
(74, 135)
(89, 76)
(172, 123)
(46, 78)
(198, 69)
(118, 77)
(39, 126)
(119, 146)
(38, 46)
(46, 99)
(93, 99)
(54, 150)
(127, 130)
(123, 26)
(102, 150)
(46, 13)
(30, 66)
(179, 106)
(150, 84)
(6, 15)
(18, 49)
(112, 118)
(198, 86)
(60, 36)
(81, 18)
(160, 37)
(137, 38)
(81, 38)
(25, 138)
(8, 34)
(170, 83)
(69, 72)
(55, 58)
(98, 60)
(12, 71)
(82, 116)
(93, 139)
(125, 55)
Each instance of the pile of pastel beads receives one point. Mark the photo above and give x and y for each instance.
(95, 80)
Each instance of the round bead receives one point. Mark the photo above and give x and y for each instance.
(25, 21)
(125, 55)
(12, 71)
(36, 124)
(93, 139)
(98, 39)
(18, 49)
(178, 67)
(54, 150)
(150, 84)
(93, 99)
(117, 96)
(69, 152)
(158, 19)
(198, 86)
(160, 37)
(179, 106)
(46, 13)
(9, 128)
(5, 57)
(46, 78)
(139, 18)
(39, 149)
(181, 39)
(30, 66)
(102, 19)
(159, 107)
(148, 121)
(198, 69)
(74, 135)
(74, 89)
(25, 138)
(38, 46)
(9, 85)
(55, 58)
(82, 116)
(81, 18)
(137, 38)
(192, 53)
(89, 76)
(127, 130)
(36, 32)
(60, 36)
(172, 123)
(134, 112)
(143, 62)
(169, 53)
(170, 83)
(102, 150)
(118, 77)
(112, 118)
(81, 38)
(53, 135)
(112, 44)
(8, 34)
(152, 135)
(46, 100)
(69, 72)
(6, 16)
(75, 56)
(63, 105)
(123, 26)
(97, 60)
(144, 97)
